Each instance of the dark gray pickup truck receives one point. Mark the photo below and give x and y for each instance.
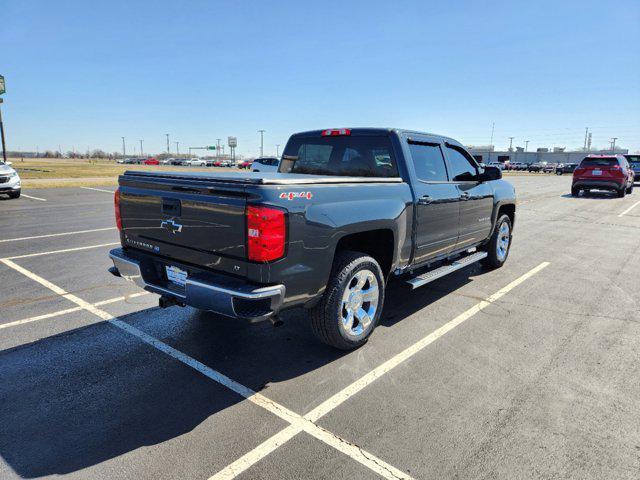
(348, 210)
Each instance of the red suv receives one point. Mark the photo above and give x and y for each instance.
(603, 172)
(151, 161)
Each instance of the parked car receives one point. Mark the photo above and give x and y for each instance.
(151, 161)
(196, 162)
(549, 167)
(178, 161)
(563, 168)
(9, 180)
(603, 172)
(265, 164)
(348, 210)
(167, 161)
(245, 164)
(127, 161)
(536, 167)
(499, 165)
(634, 163)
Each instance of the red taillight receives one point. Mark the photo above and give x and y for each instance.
(266, 233)
(336, 132)
(116, 204)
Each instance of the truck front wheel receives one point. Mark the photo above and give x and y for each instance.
(352, 303)
(499, 244)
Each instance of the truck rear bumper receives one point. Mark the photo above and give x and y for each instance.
(203, 290)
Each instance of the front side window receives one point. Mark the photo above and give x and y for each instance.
(428, 162)
(462, 168)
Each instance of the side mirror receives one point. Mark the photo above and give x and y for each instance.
(490, 173)
(9, 163)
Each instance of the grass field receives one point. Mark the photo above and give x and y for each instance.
(62, 172)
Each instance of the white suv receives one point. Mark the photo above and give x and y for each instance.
(9, 180)
(265, 164)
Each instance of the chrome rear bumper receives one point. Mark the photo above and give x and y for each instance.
(203, 290)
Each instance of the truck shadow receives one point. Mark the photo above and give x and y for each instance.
(77, 399)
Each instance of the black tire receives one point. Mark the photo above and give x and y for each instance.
(326, 316)
(622, 192)
(630, 189)
(575, 191)
(15, 194)
(494, 260)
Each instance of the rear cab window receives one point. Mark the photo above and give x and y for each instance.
(344, 155)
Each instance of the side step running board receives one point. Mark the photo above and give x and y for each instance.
(432, 275)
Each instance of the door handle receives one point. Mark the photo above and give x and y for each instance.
(425, 200)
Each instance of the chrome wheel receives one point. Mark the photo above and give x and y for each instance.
(359, 304)
(504, 237)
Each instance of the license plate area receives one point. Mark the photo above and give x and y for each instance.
(176, 275)
(596, 173)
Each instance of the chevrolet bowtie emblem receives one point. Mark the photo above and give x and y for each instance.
(171, 226)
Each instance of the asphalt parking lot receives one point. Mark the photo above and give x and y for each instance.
(530, 371)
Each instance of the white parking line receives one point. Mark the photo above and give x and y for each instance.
(629, 209)
(57, 234)
(33, 198)
(297, 422)
(314, 415)
(62, 251)
(69, 310)
(99, 190)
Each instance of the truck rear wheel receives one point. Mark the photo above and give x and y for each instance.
(499, 244)
(352, 303)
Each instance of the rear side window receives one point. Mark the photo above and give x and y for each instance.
(633, 159)
(599, 162)
(358, 156)
(428, 162)
(462, 168)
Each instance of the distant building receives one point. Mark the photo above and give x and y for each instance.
(487, 154)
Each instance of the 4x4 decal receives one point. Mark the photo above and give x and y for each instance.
(292, 195)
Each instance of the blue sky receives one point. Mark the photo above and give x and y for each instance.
(82, 74)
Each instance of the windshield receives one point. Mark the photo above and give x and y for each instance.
(599, 162)
(360, 156)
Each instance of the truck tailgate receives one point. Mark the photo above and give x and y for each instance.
(164, 213)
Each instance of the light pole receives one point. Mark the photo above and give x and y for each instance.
(261, 142)
(613, 144)
(4, 148)
(124, 148)
(218, 148)
(526, 145)
(168, 150)
(141, 154)
(277, 149)
(177, 149)
(511, 143)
